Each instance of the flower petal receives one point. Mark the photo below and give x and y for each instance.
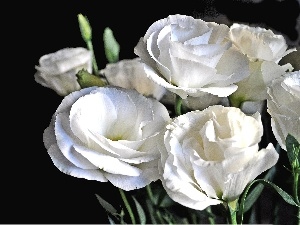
(65, 166)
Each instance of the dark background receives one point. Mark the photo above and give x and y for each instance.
(33, 190)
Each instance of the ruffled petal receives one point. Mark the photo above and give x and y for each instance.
(67, 167)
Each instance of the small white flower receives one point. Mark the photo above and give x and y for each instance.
(130, 74)
(259, 43)
(211, 155)
(264, 50)
(283, 104)
(107, 134)
(58, 70)
(189, 56)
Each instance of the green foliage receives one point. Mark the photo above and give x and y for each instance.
(293, 152)
(140, 211)
(285, 196)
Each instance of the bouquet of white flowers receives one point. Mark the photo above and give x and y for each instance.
(183, 124)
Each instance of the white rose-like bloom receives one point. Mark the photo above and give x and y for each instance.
(58, 70)
(189, 56)
(130, 74)
(107, 134)
(211, 155)
(264, 50)
(283, 104)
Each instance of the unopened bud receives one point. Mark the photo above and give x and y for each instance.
(85, 79)
(85, 28)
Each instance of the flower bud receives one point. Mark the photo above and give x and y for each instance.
(85, 79)
(85, 28)
(111, 46)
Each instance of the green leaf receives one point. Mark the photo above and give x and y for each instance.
(111, 220)
(107, 206)
(111, 46)
(285, 196)
(141, 212)
(293, 151)
(151, 211)
(255, 193)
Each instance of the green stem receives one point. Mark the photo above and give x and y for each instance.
(95, 67)
(150, 194)
(296, 192)
(127, 205)
(159, 216)
(235, 101)
(178, 104)
(232, 212)
(298, 215)
(210, 217)
(296, 187)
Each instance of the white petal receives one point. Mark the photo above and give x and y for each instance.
(186, 193)
(149, 174)
(67, 167)
(108, 163)
(264, 160)
(66, 140)
(49, 135)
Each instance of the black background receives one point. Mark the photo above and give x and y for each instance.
(33, 190)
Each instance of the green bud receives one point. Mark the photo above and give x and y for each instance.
(85, 79)
(293, 152)
(111, 46)
(85, 28)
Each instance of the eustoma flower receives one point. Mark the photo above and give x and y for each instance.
(283, 104)
(189, 56)
(211, 155)
(58, 70)
(129, 73)
(107, 134)
(264, 50)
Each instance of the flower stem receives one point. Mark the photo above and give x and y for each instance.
(296, 187)
(235, 101)
(210, 217)
(296, 192)
(150, 194)
(127, 205)
(232, 212)
(178, 104)
(91, 48)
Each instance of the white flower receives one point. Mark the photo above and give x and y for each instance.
(107, 134)
(211, 155)
(264, 50)
(189, 56)
(283, 104)
(58, 70)
(292, 58)
(130, 74)
(258, 43)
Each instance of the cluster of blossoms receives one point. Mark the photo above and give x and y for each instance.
(120, 127)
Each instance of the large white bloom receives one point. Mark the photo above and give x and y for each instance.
(58, 70)
(189, 56)
(107, 134)
(130, 74)
(283, 104)
(211, 155)
(264, 50)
